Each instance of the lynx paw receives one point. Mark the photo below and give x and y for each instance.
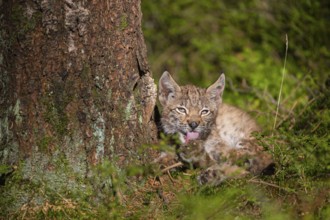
(261, 167)
(211, 177)
(166, 159)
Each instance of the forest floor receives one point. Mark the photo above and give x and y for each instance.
(176, 195)
(299, 188)
(144, 194)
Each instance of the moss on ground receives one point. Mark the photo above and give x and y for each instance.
(141, 191)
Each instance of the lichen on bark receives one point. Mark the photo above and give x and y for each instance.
(81, 92)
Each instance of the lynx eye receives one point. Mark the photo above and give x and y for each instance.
(205, 112)
(181, 110)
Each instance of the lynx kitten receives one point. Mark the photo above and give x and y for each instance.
(214, 136)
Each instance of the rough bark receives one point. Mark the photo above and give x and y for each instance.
(74, 84)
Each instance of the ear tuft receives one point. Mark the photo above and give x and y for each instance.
(215, 91)
(168, 88)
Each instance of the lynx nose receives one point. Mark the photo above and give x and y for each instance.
(193, 125)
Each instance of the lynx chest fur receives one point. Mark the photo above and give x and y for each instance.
(212, 134)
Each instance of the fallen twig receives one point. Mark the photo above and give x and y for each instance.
(269, 184)
(170, 176)
(178, 164)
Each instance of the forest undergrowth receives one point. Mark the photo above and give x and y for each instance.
(196, 41)
(299, 189)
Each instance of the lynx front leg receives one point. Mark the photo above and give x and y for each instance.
(216, 174)
(255, 159)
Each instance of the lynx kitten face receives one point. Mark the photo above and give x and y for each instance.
(188, 110)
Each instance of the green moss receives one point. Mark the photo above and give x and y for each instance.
(4, 169)
(37, 191)
(98, 97)
(57, 119)
(21, 23)
(44, 143)
(95, 93)
(123, 21)
(55, 102)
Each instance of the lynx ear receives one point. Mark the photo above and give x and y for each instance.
(214, 92)
(168, 88)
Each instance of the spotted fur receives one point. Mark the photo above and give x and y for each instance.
(214, 136)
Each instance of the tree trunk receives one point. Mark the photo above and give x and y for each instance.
(75, 84)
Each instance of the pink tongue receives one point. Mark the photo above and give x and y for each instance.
(192, 136)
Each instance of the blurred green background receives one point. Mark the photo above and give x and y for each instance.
(197, 40)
